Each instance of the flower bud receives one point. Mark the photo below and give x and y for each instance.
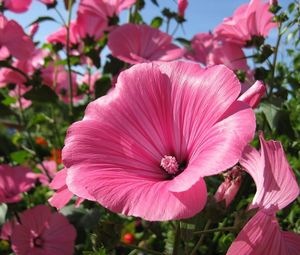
(229, 188)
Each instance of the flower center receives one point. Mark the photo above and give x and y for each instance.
(38, 242)
(169, 164)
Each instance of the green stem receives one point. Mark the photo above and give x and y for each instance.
(177, 239)
(71, 106)
(140, 249)
(194, 251)
(230, 229)
(275, 60)
(60, 16)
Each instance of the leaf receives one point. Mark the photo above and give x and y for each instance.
(183, 42)
(102, 86)
(156, 22)
(3, 211)
(39, 118)
(271, 113)
(20, 157)
(155, 2)
(41, 94)
(42, 19)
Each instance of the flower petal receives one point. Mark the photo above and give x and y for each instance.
(276, 185)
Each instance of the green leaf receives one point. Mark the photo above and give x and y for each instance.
(102, 86)
(39, 118)
(42, 19)
(9, 100)
(271, 113)
(155, 2)
(41, 94)
(19, 157)
(156, 22)
(183, 42)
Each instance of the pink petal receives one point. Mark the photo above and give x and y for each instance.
(61, 197)
(253, 95)
(276, 185)
(261, 236)
(17, 6)
(148, 43)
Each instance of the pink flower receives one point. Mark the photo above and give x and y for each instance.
(51, 167)
(276, 187)
(18, 93)
(17, 6)
(90, 80)
(33, 29)
(6, 230)
(42, 232)
(253, 19)
(175, 112)
(141, 43)
(229, 188)
(182, 5)
(62, 195)
(13, 182)
(104, 8)
(56, 77)
(253, 95)
(11, 37)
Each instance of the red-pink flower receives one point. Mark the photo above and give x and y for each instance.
(142, 43)
(104, 8)
(17, 6)
(48, 169)
(253, 19)
(182, 5)
(42, 232)
(276, 187)
(229, 188)
(11, 37)
(14, 181)
(62, 195)
(144, 148)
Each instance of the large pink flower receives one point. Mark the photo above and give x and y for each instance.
(17, 6)
(11, 37)
(253, 19)
(13, 182)
(276, 187)
(144, 148)
(42, 232)
(141, 43)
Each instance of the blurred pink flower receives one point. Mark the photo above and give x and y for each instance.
(62, 195)
(182, 5)
(14, 181)
(229, 188)
(17, 6)
(253, 95)
(276, 187)
(253, 19)
(6, 230)
(142, 43)
(43, 232)
(18, 93)
(90, 79)
(33, 29)
(144, 148)
(104, 8)
(51, 167)
(11, 37)
(56, 77)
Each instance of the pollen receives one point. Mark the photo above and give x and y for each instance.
(169, 164)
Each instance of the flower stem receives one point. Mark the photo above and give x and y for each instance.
(194, 251)
(275, 60)
(177, 239)
(230, 229)
(71, 106)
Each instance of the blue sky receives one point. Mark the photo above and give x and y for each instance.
(201, 15)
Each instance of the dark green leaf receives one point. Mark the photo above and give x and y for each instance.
(41, 94)
(102, 86)
(20, 157)
(42, 19)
